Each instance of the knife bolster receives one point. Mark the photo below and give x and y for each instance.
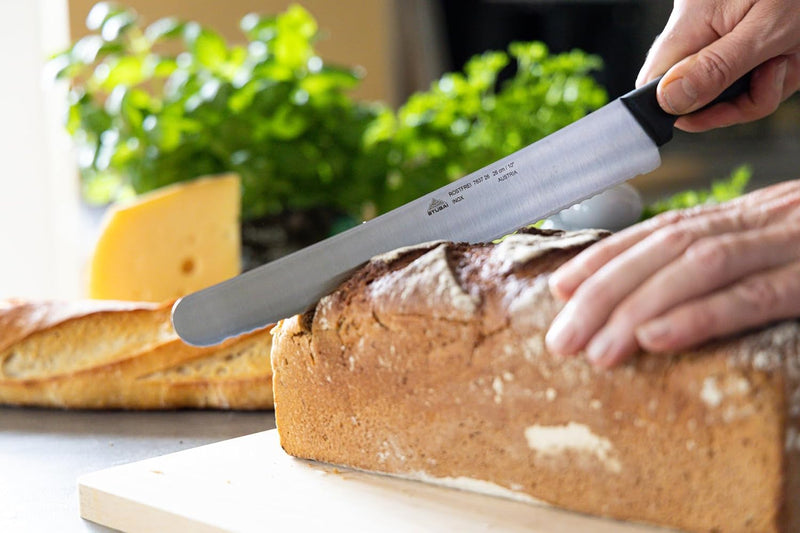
(643, 105)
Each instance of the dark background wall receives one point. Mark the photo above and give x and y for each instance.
(618, 31)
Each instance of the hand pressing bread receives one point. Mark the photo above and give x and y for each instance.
(683, 278)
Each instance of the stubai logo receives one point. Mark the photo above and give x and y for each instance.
(436, 205)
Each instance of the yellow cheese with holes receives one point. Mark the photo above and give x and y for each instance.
(169, 242)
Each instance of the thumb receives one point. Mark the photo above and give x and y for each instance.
(698, 79)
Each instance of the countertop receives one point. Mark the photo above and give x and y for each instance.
(43, 452)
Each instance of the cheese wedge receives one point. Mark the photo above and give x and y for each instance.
(169, 242)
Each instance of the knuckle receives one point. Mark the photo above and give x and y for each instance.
(758, 293)
(596, 295)
(674, 237)
(715, 67)
(655, 222)
(738, 219)
(682, 216)
(703, 321)
(761, 106)
(760, 216)
(668, 218)
(628, 313)
(784, 208)
(709, 255)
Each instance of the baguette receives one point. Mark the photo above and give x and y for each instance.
(103, 354)
(430, 364)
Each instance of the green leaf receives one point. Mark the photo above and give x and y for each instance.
(144, 115)
(113, 103)
(161, 67)
(86, 50)
(329, 79)
(126, 153)
(164, 132)
(164, 29)
(125, 70)
(116, 25)
(291, 51)
(100, 188)
(209, 49)
(734, 186)
(287, 123)
(259, 28)
(720, 191)
(482, 70)
(291, 42)
(381, 129)
(101, 12)
(296, 20)
(273, 71)
(243, 97)
(60, 66)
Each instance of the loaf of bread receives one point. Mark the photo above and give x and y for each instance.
(430, 364)
(102, 354)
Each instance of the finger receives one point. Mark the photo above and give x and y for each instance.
(757, 300)
(792, 82)
(590, 306)
(768, 89)
(595, 299)
(759, 207)
(699, 78)
(708, 45)
(684, 34)
(707, 265)
(592, 303)
(564, 281)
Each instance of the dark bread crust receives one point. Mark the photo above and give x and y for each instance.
(430, 364)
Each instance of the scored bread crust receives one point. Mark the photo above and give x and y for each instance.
(430, 364)
(104, 354)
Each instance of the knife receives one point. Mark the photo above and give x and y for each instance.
(613, 144)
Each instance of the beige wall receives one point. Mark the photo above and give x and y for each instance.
(355, 32)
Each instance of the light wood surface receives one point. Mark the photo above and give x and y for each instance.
(250, 484)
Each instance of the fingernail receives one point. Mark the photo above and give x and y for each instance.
(653, 332)
(561, 334)
(680, 95)
(601, 347)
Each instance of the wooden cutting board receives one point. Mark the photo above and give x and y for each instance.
(250, 484)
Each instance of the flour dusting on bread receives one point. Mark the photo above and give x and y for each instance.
(427, 285)
(394, 255)
(521, 248)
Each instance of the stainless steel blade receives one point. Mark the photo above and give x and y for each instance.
(598, 151)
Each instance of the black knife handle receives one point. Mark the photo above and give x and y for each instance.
(658, 124)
